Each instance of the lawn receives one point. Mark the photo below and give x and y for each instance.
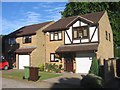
(18, 74)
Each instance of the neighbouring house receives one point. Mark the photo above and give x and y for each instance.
(71, 41)
(74, 41)
(26, 46)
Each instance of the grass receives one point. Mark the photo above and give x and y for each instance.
(18, 74)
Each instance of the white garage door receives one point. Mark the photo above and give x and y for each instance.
(23, 61)
(83, 64)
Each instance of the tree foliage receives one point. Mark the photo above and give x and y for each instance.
(94, 69)
(113, 9)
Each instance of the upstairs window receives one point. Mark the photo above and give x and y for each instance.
(53, 57)
(106, 33)
(27, 39)
(11, 41)
(55, 36)
(80, 32)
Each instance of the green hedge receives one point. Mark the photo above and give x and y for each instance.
(92, 81)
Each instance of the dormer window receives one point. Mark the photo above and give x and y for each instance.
(27, 39)
(56, 36)
(80, 32)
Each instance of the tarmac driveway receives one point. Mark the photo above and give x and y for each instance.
(67, 80)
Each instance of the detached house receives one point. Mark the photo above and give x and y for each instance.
(71, 41)
(74, 41)
(26, 46)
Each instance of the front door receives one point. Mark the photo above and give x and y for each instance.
(68, 64)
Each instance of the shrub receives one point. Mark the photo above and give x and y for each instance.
(92, 81)
(60, 66)
(52, 67)
(94, 67)
(41, 67)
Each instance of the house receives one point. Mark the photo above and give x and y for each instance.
(74, 41)
(26, 46)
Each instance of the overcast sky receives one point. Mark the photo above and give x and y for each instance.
(18, 14)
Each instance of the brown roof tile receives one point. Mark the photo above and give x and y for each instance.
(28, 30)
(95, 17)
(60, 24)
(64, 22)
(76, 48)
(24, 50)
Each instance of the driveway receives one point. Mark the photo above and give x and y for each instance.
(68, 80)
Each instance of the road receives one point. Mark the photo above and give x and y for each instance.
(10, 83)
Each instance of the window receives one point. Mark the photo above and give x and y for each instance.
(106, 35)
(80, 32)
(27, 39)
(55, 36)
(53, 57)
(11, 41)
(109, 37)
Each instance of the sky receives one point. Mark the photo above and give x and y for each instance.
(18, 14)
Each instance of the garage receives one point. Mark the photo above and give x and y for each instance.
(83, 65)
(24, 60)
(83, 62)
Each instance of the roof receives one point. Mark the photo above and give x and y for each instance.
(28, 30)
(24, 50)
(77, 48)
(63, 23)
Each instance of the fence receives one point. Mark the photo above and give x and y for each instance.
(109, 69)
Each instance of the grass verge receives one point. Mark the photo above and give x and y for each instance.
(18, 74)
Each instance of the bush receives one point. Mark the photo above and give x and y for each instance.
(41, 67)
(60, 66)
(94, 67)
(53, 67)
(92, 81)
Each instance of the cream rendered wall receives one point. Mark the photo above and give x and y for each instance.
(105, 48)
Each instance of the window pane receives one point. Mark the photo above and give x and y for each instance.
(85, 32)
(75, 33)
(27, 39)
(109, 37)
(51, 36)
(80, 34)
(52, 57)
(60, 34)
(106, 35)
(56, 36)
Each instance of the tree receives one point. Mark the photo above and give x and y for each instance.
(94, 69)
(113, 9)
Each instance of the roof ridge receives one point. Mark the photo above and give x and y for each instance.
(37, 24)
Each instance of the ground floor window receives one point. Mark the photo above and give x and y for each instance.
(54, 57)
